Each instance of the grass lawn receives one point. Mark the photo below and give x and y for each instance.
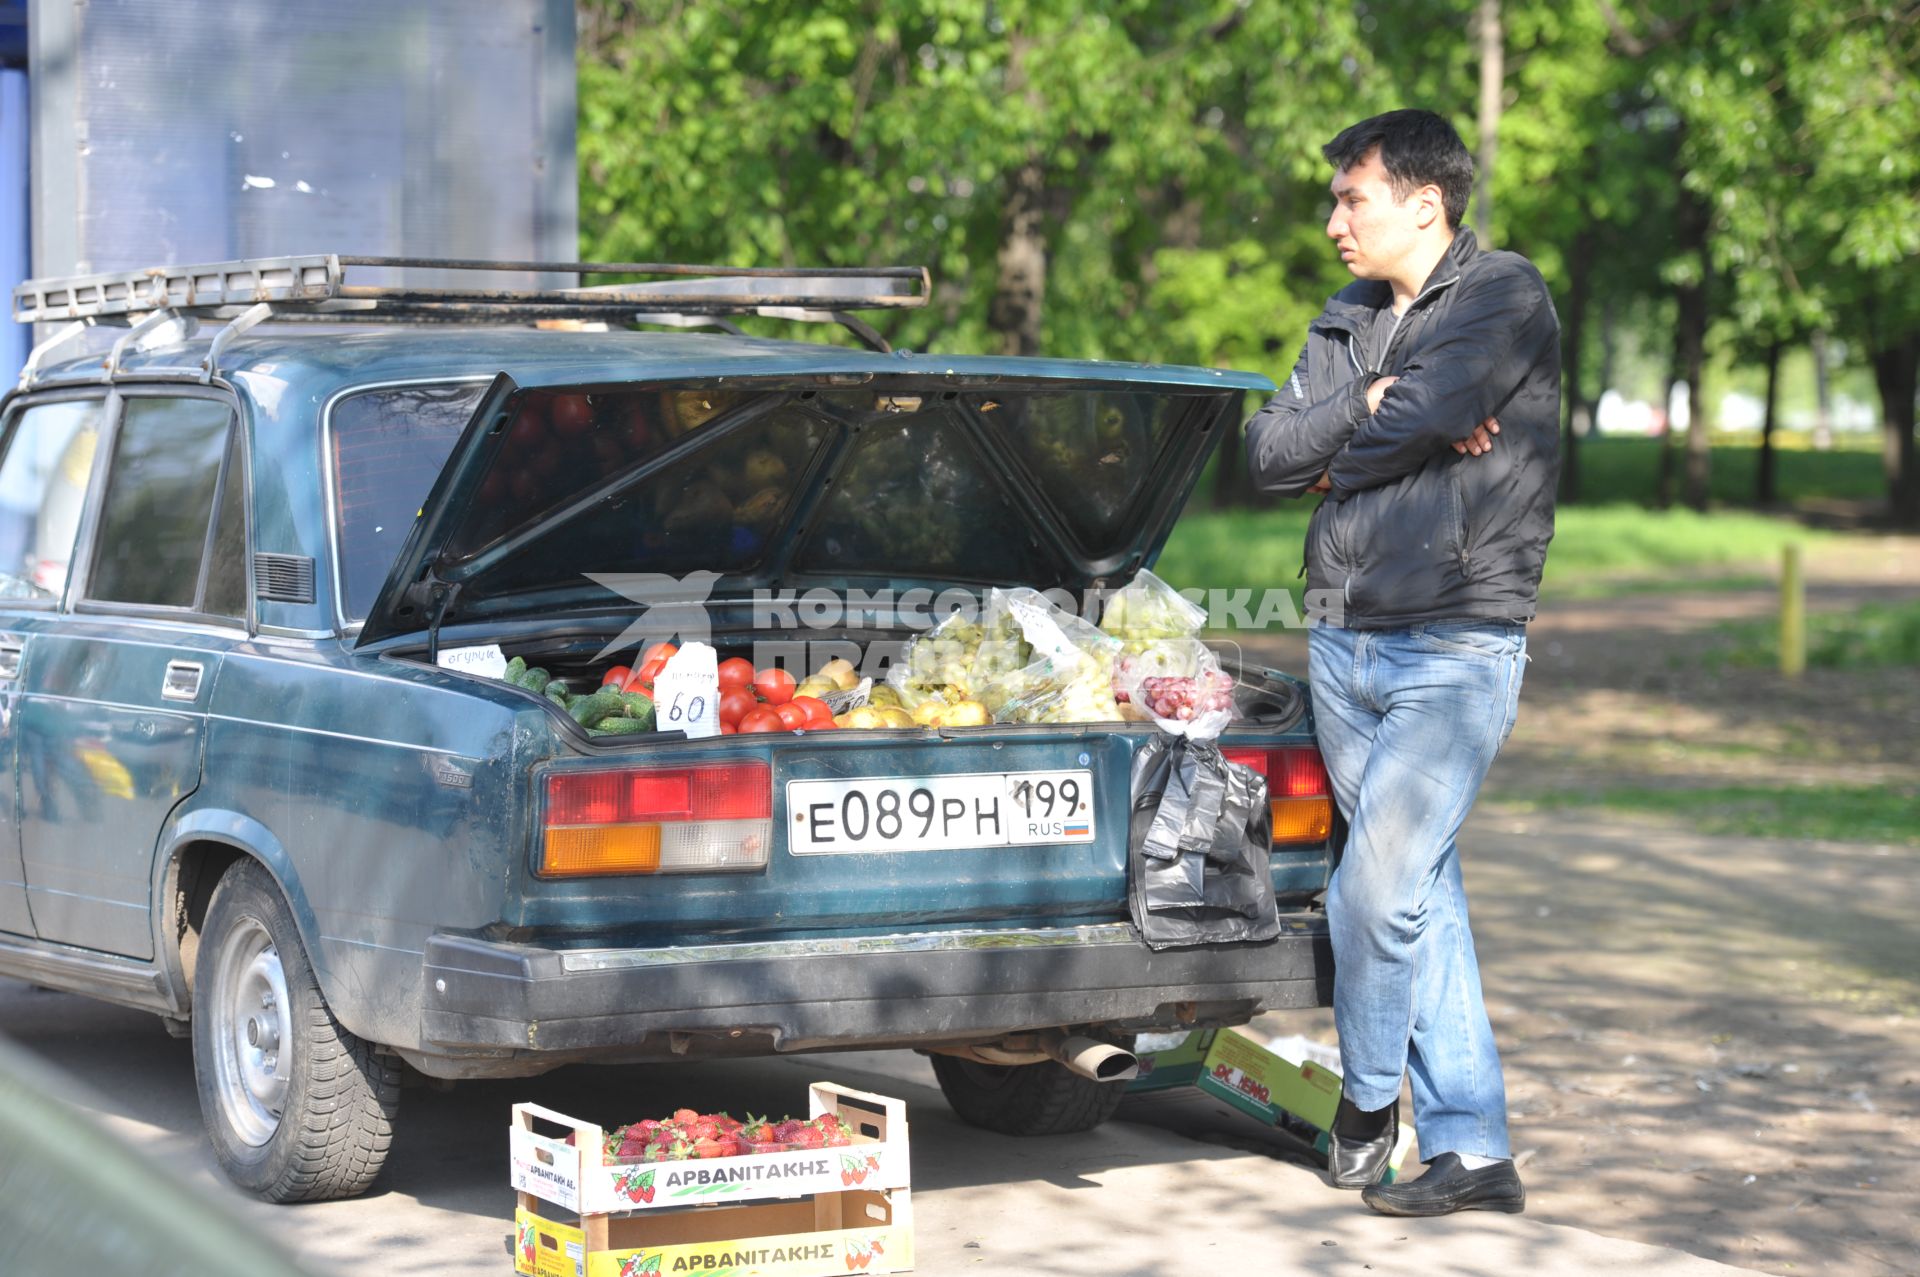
(1596, 549)
(1871, 637)
(1611, 542)
(1841, 813)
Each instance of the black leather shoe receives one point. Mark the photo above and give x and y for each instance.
(1356, 1163)
(1447, 1187)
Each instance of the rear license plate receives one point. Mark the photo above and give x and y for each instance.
(937, 813)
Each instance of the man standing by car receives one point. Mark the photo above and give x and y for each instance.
(1431, 538)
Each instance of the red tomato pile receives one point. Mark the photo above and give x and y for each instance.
(763, 701)
(750, 700)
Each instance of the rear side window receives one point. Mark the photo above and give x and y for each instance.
(157, 515)
(43, 488)
(389, 445)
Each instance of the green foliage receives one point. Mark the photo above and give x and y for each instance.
(1181, 193)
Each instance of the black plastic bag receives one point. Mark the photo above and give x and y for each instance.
(1199, 867)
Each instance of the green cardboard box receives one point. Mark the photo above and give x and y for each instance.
(1233, 1067)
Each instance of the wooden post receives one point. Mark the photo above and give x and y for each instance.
(1793, 612)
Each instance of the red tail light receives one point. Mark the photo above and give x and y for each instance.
(709, 819)
(1299, 796)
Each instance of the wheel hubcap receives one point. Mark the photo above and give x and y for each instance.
(250, 1027)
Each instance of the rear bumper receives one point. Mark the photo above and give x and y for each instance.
(490, 999)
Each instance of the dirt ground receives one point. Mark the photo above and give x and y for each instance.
(1711, 1043)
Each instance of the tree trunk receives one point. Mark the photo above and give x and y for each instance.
(1822, 395)
(1765, 491)
(1896, 370)
(1492, 85)
(1581, 273)
(1692, 349)
(1020, 285)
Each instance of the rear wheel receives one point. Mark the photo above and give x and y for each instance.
(1025, 1099)
(297, 1108)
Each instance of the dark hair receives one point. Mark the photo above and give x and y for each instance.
(1416, 148)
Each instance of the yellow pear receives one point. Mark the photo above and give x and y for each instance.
(816, 686)
(895, 716)
(841, 671)
(928, 713)
(966, 714)
(882, 694)
(865, 718)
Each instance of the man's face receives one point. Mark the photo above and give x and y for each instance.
(1374, 231)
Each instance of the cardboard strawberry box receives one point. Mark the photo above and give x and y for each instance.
(579, 1177)
(822, 1235)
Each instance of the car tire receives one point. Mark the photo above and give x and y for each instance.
(297, 1108)
(1025, 1099)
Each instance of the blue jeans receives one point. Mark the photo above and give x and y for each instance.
(1409, 721)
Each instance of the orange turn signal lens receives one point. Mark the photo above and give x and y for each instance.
(1301, 819)
(586, 850)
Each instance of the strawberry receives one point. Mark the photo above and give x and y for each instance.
(683, 1116)
(714, 1148)
(646, 1192)
(808, 1137)
(846, 1177)
(784, 1131)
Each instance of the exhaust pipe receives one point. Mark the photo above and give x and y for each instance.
(1100, 1061)
(1087, 1057)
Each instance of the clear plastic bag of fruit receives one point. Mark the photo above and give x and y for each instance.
(949, 662)
(1147, 611)
(1069, 678)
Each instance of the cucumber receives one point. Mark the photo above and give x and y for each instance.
(557, 694)
(638, 708)
(589, 710)
(536, 679)
(622, 727)
(516, 669)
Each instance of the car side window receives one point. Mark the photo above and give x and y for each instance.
(43, 489)
(157, 513)
(226, 592)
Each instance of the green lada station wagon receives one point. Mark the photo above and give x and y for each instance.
(248, 790)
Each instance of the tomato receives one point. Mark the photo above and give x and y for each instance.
(816, 710)
(618, 674)
(824, 725)
(736, 703)
(762, 719)
(728, 729)
(774, 685)
(791, 715)
(659, 651)
(571, 414)
(736, 671)
(528, 431)
(646, 674)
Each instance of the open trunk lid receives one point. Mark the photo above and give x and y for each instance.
(869, 473)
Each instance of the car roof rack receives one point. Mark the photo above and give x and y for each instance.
(315, 287)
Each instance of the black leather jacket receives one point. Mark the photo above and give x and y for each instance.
(1413, 531)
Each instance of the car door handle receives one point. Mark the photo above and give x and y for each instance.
(9, 659)
(182, 682)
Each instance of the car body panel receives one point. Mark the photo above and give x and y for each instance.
(397, 804)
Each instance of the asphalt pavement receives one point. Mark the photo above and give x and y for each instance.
(1173, 1184)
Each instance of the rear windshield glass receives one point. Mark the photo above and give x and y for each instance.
(389, 445)
(717, 508)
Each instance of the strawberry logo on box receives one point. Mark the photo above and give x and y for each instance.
(860, 1257)
(528, 1250)
(639, 1264)
(635, 1184)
